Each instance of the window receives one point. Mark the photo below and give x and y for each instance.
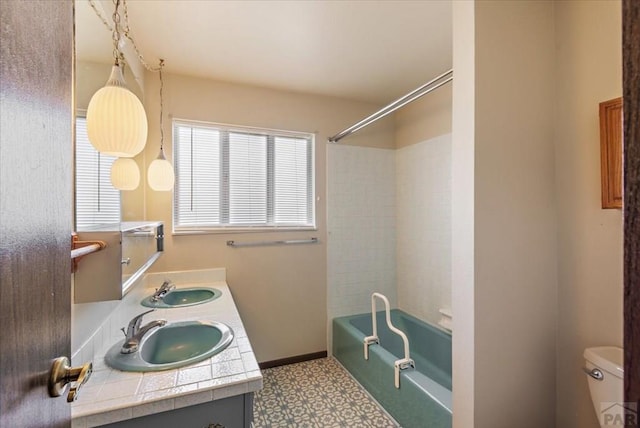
(230, 178)
(97, 201)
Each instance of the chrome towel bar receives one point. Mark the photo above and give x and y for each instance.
(263, 243)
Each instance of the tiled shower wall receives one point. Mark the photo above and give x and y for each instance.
(389, 228)
(361, 220)
(423, 178)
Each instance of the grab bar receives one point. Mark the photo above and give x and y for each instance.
(262, 243)
(400, 364)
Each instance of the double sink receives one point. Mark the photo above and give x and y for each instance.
(163, 346)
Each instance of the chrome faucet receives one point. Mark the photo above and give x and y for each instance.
(135, 333)
(162, 291)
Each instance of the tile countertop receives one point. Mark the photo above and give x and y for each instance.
(111, 395)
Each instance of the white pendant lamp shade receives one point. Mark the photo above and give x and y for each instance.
(125, 174)
(160, 174)
(116, 120)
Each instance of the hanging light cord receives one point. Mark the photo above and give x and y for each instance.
(102, 18)
(126, 32)
(115, 35)
(161, 104)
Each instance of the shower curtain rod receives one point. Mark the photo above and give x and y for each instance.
(400, 102)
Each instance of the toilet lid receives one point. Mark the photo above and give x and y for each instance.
(608, 358)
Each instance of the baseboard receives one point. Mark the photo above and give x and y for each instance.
(292, 360)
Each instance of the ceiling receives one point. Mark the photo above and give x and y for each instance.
(373, 51)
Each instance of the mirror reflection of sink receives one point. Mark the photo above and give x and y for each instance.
(175, 345)
(180, 297)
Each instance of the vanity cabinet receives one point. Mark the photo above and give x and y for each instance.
(231, 412)
(131, 248)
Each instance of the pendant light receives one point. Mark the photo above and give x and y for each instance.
(160, 173)
(116, 120)
(125, 174)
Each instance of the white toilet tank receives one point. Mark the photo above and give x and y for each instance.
(607, 394)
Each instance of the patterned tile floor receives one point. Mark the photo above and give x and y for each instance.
(317, 393)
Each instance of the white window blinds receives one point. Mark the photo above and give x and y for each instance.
(235, 178)
(97, 201)
(247, 179)
(292, 183)
(197, 190)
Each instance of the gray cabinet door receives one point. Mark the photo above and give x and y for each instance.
(231, 412)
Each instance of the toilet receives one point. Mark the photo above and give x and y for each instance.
(605, 373)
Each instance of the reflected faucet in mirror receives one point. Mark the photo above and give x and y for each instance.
(166, 287)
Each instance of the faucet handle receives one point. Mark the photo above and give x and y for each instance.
(167, 285)
(138, 317)
(135, 322)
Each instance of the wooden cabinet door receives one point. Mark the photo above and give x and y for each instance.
(611, 152)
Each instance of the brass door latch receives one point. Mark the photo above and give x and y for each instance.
(62, 374)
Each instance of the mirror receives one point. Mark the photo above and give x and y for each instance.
(94, 59)
(131, 249)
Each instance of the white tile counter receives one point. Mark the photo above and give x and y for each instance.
(111, 395)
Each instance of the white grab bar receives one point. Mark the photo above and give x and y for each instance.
(401, 364)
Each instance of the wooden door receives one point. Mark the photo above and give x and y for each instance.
(36, 81)
(631, 96)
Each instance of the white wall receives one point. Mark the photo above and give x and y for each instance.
(424, 118)
(515, 217)
(361, 244)
(517, 63)
(589, 71)
(423, 181)
(508, 330)
(462, 214)
(280, 291)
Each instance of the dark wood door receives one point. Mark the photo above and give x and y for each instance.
(631, 96)
(36, 79)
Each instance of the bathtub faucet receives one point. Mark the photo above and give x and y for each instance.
(135, 333)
